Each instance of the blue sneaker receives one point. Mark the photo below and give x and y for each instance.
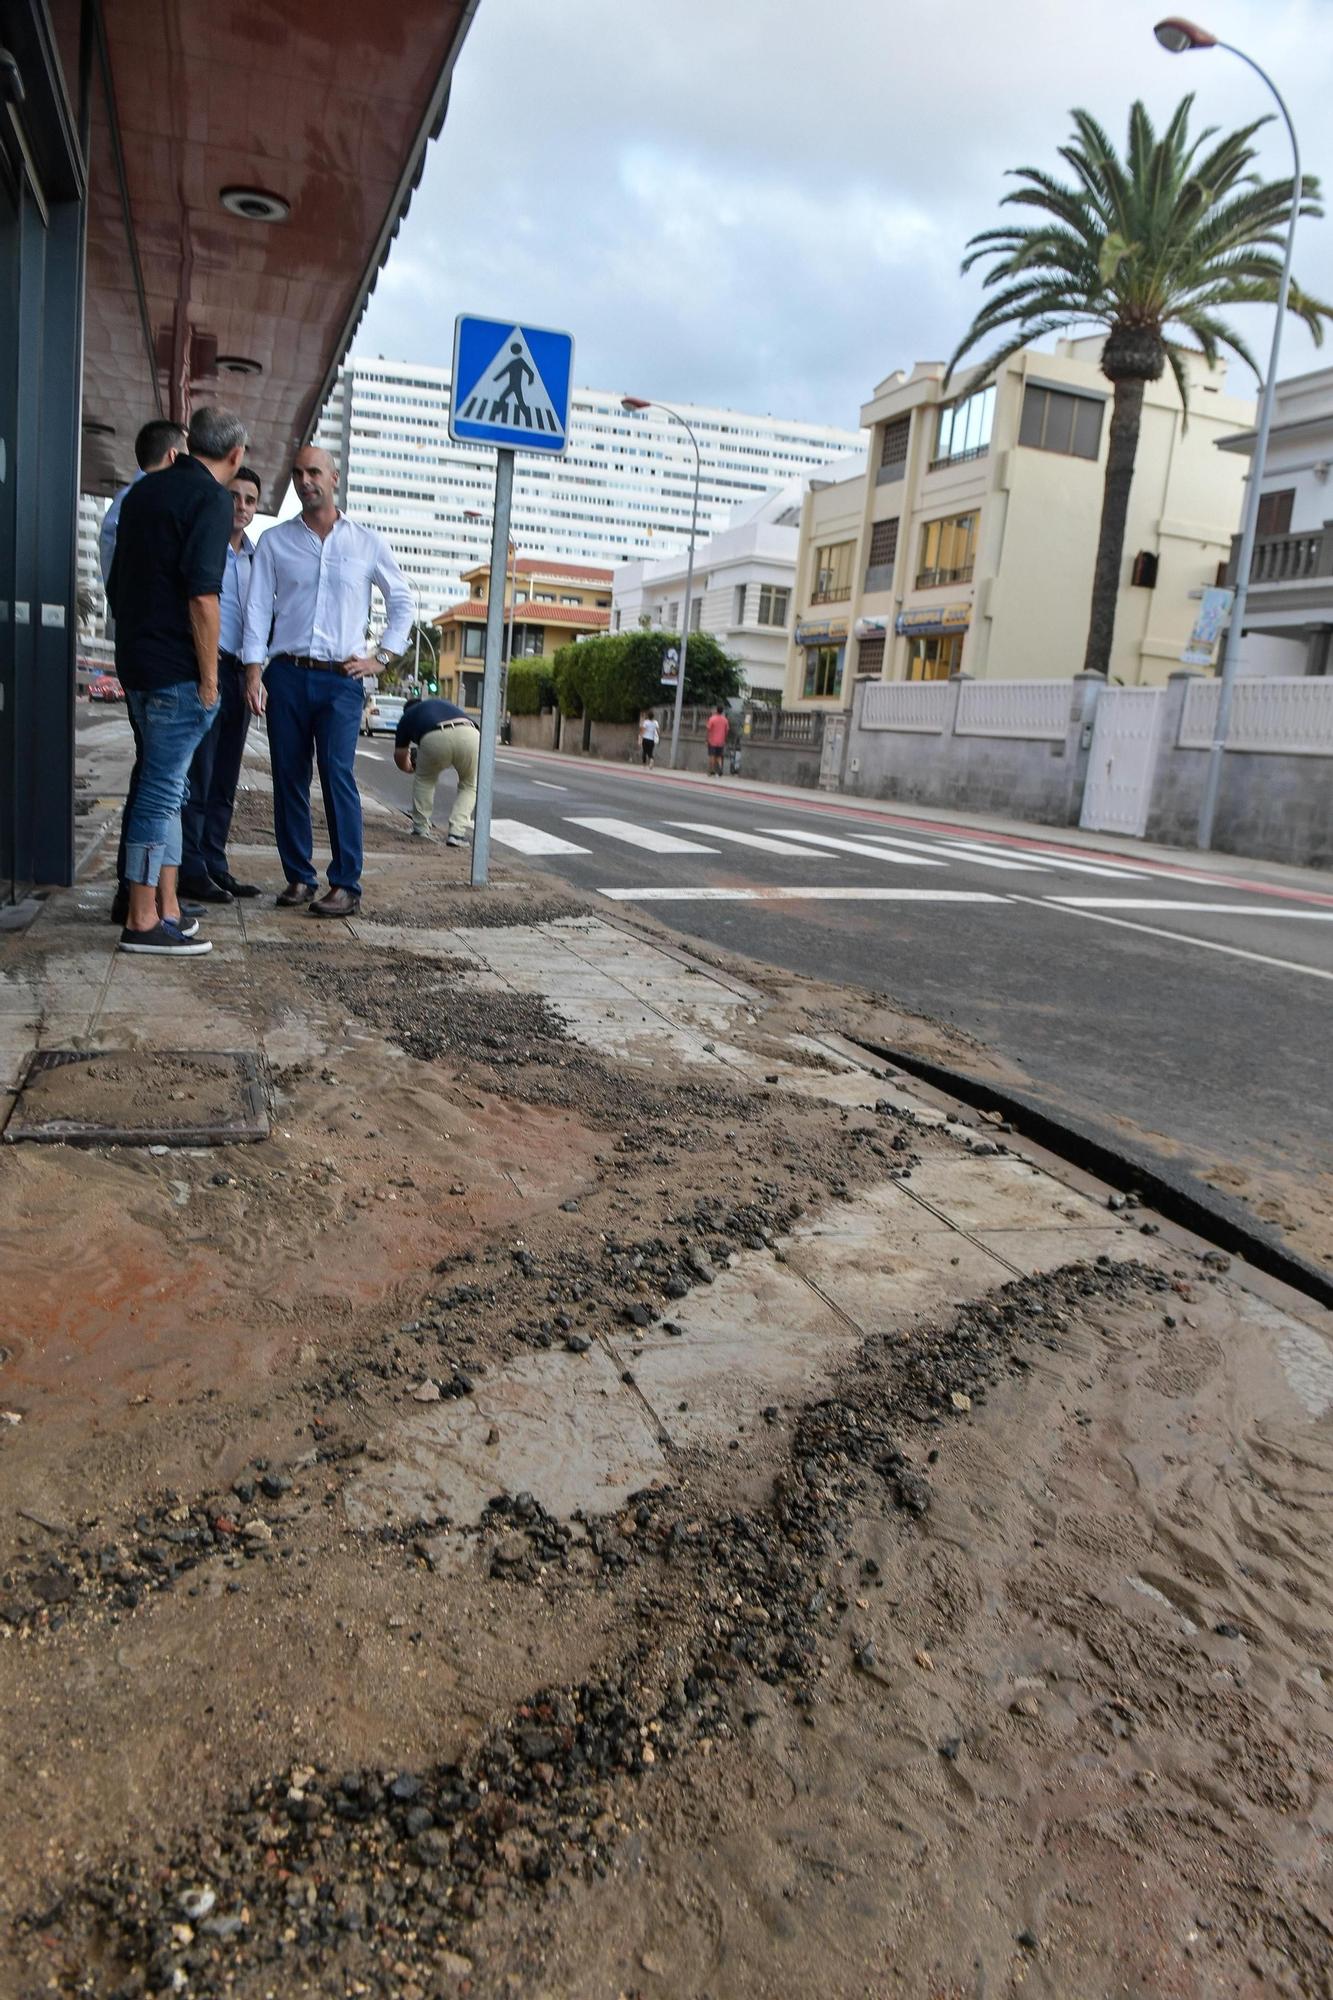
(165, 940)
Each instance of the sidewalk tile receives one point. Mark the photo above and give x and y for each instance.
(1003, 1193)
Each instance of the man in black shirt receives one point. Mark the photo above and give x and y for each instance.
(171, 551)
(433, 737)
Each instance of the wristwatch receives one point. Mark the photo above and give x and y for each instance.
(384, 659)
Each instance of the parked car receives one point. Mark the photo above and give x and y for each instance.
(382, 714)
(105, 687)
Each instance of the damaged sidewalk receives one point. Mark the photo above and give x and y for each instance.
(545, 1470)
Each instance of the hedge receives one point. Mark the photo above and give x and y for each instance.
(531, 687)
(615, 678)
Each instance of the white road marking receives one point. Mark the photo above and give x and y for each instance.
(819, 893)
(526, 839)
(547, 786)
(886, 842)
(651, 837)
(1042, 858)
(1173, 937)
(1214, 909)
(750, 840)
(856, 847)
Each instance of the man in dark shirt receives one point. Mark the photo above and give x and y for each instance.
(434, 737)
(165, 582)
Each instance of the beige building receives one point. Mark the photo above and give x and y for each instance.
(552, 604)
(968, 544)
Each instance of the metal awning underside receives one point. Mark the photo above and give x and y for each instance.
(327, 107)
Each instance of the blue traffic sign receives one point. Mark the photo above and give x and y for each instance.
(511, 385)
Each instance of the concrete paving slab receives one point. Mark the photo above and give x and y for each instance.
(1033, 1250)
(1003, 1193)
(567, 1430)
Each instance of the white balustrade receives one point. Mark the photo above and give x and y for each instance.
(1284, 716)
(916, 705)
(1037, 710)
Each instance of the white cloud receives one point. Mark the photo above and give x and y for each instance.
(760, 203)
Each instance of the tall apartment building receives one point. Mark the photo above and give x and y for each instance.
(968, 545)
(622, 492)
(89, 569)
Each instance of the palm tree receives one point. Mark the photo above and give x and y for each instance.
(1158, 240)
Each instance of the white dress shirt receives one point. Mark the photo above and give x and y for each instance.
(315, 593)
(235, 591)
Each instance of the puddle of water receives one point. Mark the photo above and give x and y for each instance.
(1307, 1363)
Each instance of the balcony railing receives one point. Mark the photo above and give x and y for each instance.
(838, 594)
(927, 579)
(958, 457)
(1288, 558)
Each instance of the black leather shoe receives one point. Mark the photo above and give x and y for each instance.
(203, 889)
(296, 893)
(228, 882)
(337, 903)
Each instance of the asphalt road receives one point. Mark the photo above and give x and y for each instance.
(1182, 1013)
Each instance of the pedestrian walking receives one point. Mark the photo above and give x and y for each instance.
(649, 733)
(215, 768)
(159, 443)
(164, 589)
(434, 737)
(305, 659)
(716, 732)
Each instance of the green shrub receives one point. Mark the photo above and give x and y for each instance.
(531, 687)
(616, 677)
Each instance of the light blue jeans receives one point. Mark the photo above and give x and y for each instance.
(171, 722)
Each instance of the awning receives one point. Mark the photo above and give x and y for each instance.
(872, 628)
(249, 169)
(935, 618)
(821, 632)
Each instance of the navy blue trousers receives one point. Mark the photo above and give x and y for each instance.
(314, 717)
(215, 771)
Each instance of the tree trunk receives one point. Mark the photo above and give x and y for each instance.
(1126, 412)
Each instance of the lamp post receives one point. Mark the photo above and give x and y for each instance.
(1180, 37)
(416, 667)
(645, 403)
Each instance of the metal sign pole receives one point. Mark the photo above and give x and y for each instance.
(490, 687)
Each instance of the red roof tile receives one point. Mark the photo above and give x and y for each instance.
(472, 611)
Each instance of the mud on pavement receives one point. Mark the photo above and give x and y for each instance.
(992, 1658)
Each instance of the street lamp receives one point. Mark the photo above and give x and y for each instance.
(1179, 37)
(645, 403)
(416, 668)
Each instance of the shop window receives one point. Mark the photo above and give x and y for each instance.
(933, 657)
(823, 672)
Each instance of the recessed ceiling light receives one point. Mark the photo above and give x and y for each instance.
(238, 364)
(255, 204)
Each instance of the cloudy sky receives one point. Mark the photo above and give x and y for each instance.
(763, 203)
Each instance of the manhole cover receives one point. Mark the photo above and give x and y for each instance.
(140, 1097)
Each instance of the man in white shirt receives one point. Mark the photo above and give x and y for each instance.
(215, 768)
(306, 616)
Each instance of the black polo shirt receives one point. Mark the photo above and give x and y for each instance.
(420, 717)
(171, 545)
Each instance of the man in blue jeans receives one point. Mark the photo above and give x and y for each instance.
(215, 768)
(165, 582)
(306, 617)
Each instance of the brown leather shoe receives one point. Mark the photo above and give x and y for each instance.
(337, 903)
(294, 895)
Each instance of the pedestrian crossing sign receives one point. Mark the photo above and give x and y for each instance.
(511, 385)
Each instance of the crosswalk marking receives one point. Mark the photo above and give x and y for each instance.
(981, 860)
(856, 847)
(526, 839)
(815, 893)
(751, 840)
(1042, 858)
(651, 837)
(1212, 909)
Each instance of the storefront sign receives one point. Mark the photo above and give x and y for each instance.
(821, 632)
(936, 618)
